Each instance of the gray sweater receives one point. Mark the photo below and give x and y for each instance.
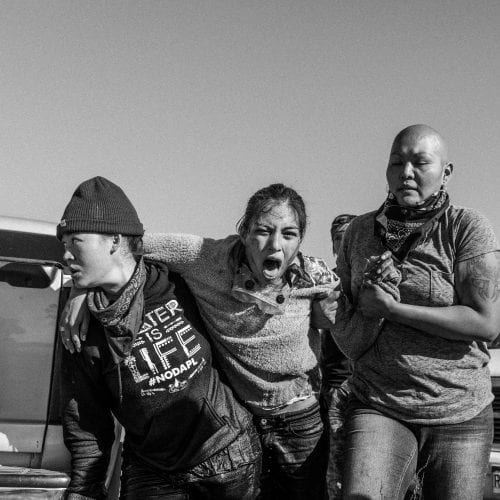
(269, 359)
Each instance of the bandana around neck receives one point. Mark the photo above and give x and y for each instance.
(399, 227)
(121, 319)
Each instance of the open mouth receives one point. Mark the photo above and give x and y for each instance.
(271, 268)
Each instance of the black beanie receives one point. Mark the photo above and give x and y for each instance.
(99, 206)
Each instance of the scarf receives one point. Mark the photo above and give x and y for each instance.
(121, 319)
(400, 227)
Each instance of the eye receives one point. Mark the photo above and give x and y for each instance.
(290, 235)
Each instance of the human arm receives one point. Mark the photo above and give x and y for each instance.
(74, 321)
(476, 317)
(353, 332)
(176, 250)
(88, 427)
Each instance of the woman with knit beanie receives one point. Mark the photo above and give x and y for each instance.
(256, 291)
(421, 397)
(146, 362)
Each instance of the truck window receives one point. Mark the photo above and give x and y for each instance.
(29, 297)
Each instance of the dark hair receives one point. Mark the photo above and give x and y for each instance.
(134, 244)
(340, 221)
(265, 199)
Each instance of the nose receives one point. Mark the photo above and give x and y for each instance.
(275, 241)
(407, 172)
(67, 256)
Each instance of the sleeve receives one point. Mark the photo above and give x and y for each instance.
(474, 236)
(88, 427)
(353, 333)
(178, 251)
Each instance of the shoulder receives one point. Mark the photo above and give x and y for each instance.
(472, 232)
(360, 229)
(361, 222)
(467, 217)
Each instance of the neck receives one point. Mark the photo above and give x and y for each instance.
(120, 277)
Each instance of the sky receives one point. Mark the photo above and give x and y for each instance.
(191, 106)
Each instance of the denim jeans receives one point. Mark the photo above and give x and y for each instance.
(230, 474)
(294, 450)
(336, 415)
(383, 455)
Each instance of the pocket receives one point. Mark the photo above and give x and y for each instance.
(443, 291)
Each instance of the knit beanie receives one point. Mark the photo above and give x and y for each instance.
(99, 206)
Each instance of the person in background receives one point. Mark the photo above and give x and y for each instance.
(334, 363)
(334, 388)
(263, 302)
(145, 362)
(420, 387)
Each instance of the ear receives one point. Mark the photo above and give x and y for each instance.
(448, 170)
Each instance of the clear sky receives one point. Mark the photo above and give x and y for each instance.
(191, 106)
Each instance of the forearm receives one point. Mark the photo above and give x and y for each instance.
(175, 250)
(89, 464)
(456, 322)
(88, 427)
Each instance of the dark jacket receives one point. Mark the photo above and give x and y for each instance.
(166, 394)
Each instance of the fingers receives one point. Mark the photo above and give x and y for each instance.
(75, 339)
(84, 327)
(65, 339)
(379, 267)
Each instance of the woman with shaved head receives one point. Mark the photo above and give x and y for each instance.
(416, 331)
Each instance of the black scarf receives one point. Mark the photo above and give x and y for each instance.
(400, 227)
(123, 318)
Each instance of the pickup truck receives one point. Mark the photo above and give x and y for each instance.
(34, 463)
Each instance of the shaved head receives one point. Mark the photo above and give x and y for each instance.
(414, 133)
(418, 165)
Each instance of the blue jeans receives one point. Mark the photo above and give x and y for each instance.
(337, 408)
(294, 455)
(230, 474)
(383, 455)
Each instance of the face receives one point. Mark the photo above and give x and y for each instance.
(88, 256)
(417, 168)
(272, 243)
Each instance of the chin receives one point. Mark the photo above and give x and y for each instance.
(410, 202)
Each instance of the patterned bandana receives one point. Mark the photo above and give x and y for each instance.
(123, 318)
(399, 227)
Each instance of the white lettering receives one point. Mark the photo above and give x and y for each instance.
(169, 374)
(163, 355)
(131, 363)
(185, 341)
